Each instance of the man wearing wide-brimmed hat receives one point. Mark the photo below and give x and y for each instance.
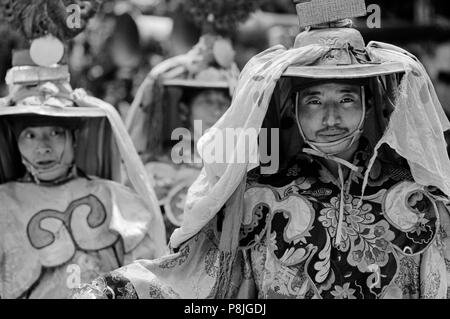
(65, 217)
(357, 206)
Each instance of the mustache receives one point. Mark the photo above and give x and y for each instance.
(332, 130)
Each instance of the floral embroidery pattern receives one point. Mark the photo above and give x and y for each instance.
(211, 259)
(111, 286)
(256, 226)
(127, 292)
(293, 171)
(177, 260)
(95, 290)
(121, 286)
(447, 265)
(367, 241)
(157, 290)
(372, 257)
(289, 281)
(421, 205)
(433, 281)
(246, 266)
(408, 277)
(319, 193)
(344, 292)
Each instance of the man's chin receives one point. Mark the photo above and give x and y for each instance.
(336, 149)
(51, 175)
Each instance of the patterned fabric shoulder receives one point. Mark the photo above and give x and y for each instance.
(110, 286)
(412, 212)
(386, 174)
(255, 224)
(262, 190)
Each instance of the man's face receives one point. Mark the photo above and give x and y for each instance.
(209, 106)
(328, 112)
(43, 147)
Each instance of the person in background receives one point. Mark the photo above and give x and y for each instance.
(65, 216)
(190, 91)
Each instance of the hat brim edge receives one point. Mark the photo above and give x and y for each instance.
(197, 84)
(344, 71)
(52, 111)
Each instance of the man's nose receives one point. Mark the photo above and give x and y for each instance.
(331, 116)
(44, 147)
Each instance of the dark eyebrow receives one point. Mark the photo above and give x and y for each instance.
(349, 90)
(311, 93)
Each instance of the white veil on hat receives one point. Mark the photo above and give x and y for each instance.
(39, 87)
(415, 128)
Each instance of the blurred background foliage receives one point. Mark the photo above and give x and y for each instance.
(128, 38)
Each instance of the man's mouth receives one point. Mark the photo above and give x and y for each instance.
(331, 133)
(46, 164)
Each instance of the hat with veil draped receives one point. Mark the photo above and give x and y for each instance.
(40, 94)
(407, 115)
(210, 64)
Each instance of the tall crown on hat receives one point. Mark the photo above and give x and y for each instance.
(218, 16)
(39, 91)
(43, 26)
(212, 59)
(38, 18)
(210, 64)
(316, 12)
(328, 23)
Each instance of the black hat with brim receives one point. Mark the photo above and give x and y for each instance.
(20, 122)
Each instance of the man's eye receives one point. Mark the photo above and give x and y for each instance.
(314, 102)
(56, 133)
(29, 135)
(347, 100)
